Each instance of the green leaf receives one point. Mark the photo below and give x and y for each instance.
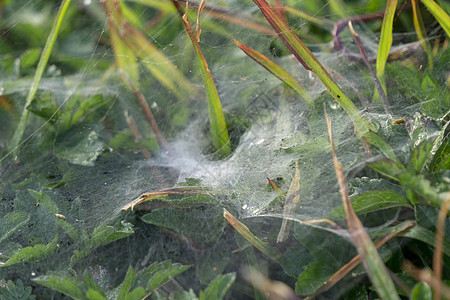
(101, 235)
(421, 291)
(387, 167)
(218, 288)
(420, 155)
(45, 107)
(159, 273)
(138, 293)
(16, 291)
(45, 201)
(63, 283)
(372, 201)
(127, 283)
(11, 222)
(90, 283)
(421, 234)
(94, 295)
(330, 253)
(81, 145)
(29, 58)
(32, 253)
(441, 159)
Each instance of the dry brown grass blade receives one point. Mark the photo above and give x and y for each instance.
(198, 28)
(162, 142)
(372, 262)
(348, 267)
(437, 255)
(292, 198)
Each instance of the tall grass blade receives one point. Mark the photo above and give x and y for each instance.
(310, 62)
(218, 126)
(355, 261)
(440, 15)
(249, 236)
(372, 262)
(385, 43)
(278, 71)
(45, 55)
(419, 27)
(124, 56)
(154, 60)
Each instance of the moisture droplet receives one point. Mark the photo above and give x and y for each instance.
(244, 206)
(87, 2)
(33, 274)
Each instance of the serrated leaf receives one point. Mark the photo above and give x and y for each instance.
(372, 201)
(127, 284)
(16, 291)
(65, 284)
(138, 293)
(441, 159)
(32, 253)
(81, 145)
(388, 168)
(420, 155)
(160, 273)
(218, 288)
(45, 201)
(11, 222)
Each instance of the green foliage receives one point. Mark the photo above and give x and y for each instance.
(134, 286)
(16, 291)
(77, 150)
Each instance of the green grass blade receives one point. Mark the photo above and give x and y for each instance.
(310, 62)
(278, 71)
(385, 42)
(421, 32)
(17, 137)
(440, 15)
(131, 43)
(218, 126)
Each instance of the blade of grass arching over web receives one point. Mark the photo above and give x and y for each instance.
(385, 43)
(278, 71)
(310, 62)
(370, 258)
(45, 55)
(218, 126)
(421, 32)
(440, 15)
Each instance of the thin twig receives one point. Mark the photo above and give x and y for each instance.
(163, 143)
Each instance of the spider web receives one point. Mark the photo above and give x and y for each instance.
(86, 160)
